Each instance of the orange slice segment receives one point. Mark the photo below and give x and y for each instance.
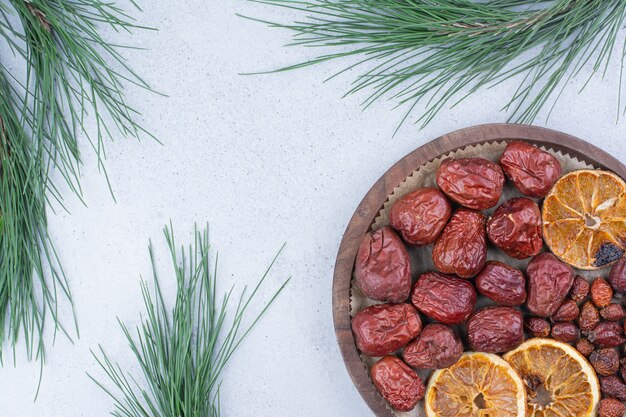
(584, 218)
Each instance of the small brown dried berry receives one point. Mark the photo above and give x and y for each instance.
(617, 276)
(622, 368)
(607, 334)
(589, 317)
(585, 347)
(538, 327)
(565, 332)
(611, 407)
(601, 292)
(580, 289)
(605, 361)
(613, 386)
(613, 312)
(567, 312)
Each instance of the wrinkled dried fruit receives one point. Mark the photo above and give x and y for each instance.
(605, 361)
(383, 268)
(382, 329)
(580, 289)
(613, 312)
(495, 329)
(420, 216)
(462, 247)
(399, 385)
(549, 281)
(437, 347)
(611, 407)
(515, 228)
(622, 368)
(565, 332)
(502, 283)
(531, 170)
(617, 276)
(601, 292)
(607, 334)
(445, 298)
(475, 183)
(613, 386)
(585, 347)
(567, 312)
(589, 317)
(538, 327)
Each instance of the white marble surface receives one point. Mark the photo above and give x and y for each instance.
(264, 159)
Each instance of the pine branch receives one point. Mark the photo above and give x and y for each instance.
(182, 351)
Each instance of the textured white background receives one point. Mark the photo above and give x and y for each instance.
(264, 159)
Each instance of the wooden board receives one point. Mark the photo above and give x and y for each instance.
(374, 200)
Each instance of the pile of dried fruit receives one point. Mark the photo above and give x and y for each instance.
(485, 307)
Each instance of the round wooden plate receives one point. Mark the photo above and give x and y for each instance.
(374, 200)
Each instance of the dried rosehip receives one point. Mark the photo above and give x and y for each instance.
(502, 283)
(611, 407)
(607, 334)
(538, 327)
(475, 183)
(549, 281)
(605, 361)
(585, 347)
(495, 329)
(515, 228)
(462, 247)
(565, 332)
(580, 289)
(617, 276)
(567, 312)
(383, 268)
(601, 292)
(420, 216)
(445, 298)
(384, 328)
(613, 386)
(622, 368)
(613, 312)
(437, 347)
(589, 317)
(399, 385)
(531, 170)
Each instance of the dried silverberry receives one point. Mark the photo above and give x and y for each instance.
(585, 347)
(445, 298)
(515, 228)
(605, 361)
(420, 216)
(567, 312)
(613, 312)
(538, 327)
(437, 347)
(565, 332)
(549, 281)
(601, 292)
(495, 329)
(589, 317)
(502, 283)
(617, 276)
(607, 334)
(397, 383)
(613, 386)
(532, 170)
(611, 407)
(580, 289)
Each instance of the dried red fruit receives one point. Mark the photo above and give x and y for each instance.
(384, 328)
(589, 317)
(607, 334)
(613, 386)
(605, 361)
(515, 228)
(495, 329)
(445, 298)
(613, 312)
(420, 216)
(383, 267)
(399, 385)
(565, 332)
(585, 347)
(549, 281)
(437, 347)
(538, 327)
(568, 311)
(622, 368)
(580, 289)
(475, 183)
(601, 292)
(617, 276)
(611, 407)
(502, 283)
(462, 247)
(531, 170)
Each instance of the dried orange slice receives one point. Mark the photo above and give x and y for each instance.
(584, 218)
(559, 381)
(478, 385)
